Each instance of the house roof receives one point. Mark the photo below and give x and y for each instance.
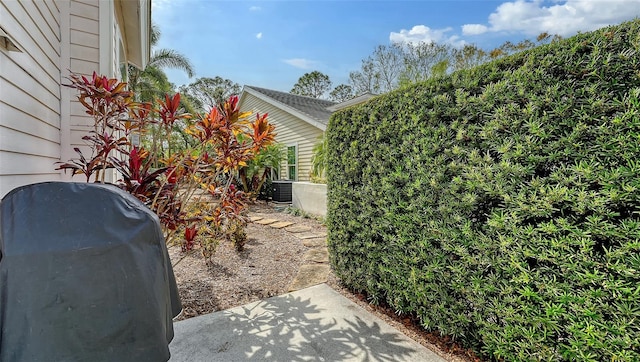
(312, 110)
(353, 101)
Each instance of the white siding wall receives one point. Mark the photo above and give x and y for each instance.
(40, 120)
(30, 94)
(85, 59)
(290, 130)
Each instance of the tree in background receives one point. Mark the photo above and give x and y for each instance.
(314, 84)
(152, 82)
(389, 60)
(365, 80)
(468, 56)
(341, 93)
(391, 66)
(207, 93)
(424, 60)
(381, 71)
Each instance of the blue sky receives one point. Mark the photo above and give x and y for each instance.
(271, 43)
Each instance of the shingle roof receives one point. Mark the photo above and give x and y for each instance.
(312, 107)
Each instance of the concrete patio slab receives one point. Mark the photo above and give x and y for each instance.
(314, 324)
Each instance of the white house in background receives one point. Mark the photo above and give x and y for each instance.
(41, 120)
(300, 122)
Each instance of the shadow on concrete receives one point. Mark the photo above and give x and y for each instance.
(314, 324)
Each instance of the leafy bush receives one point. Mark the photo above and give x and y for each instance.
(500, 204)
(256, 174)
(319, 161)
(170, 180)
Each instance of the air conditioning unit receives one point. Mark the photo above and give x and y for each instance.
(281, 191)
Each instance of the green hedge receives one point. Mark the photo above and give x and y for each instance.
(501, 204)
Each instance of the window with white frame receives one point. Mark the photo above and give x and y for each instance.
(292, 162)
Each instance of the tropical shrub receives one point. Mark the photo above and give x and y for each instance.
(255, 175)
(190, 188)
(500, 204)
(319, 161)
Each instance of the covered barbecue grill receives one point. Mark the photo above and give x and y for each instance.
(84, 276)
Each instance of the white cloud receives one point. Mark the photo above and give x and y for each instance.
(255, 8)
(422, 33)
(563, 17)
(301, 63)
(259, 36)
(474, 29)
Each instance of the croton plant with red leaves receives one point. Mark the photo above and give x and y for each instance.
(190, 190)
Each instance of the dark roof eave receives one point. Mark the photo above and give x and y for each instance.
(292, 109)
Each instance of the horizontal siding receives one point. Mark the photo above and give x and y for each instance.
(50, 7)
(84, 52)
(40, 55)
(44, 21)
(84, 10)
(79, 116)
(87, 2)
(17, 120)
(84, 66)
(289, 130)
(30, 94)
(56, 5)
(27, 144)
(29, 98)
(85, 59)
(19, 164)
(84, 39)
(80, 125)
(77, 121)
(87, 25)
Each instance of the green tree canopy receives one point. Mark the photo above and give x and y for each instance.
(314, 84)
(341, 93)
(209, 92)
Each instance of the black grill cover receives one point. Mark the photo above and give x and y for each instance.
(84, 276)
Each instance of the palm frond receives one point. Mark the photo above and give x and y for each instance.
(155, 34)
(169, 58)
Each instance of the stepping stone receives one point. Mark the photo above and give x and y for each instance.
(298, 229)
(319, 255)
(314, 243)
(266, 221)
(310, 275)
(255, 218)
(311, 235)
(280, 224)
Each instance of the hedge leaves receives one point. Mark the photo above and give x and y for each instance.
(502, 204)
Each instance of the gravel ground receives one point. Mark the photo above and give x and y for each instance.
(265, 268)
